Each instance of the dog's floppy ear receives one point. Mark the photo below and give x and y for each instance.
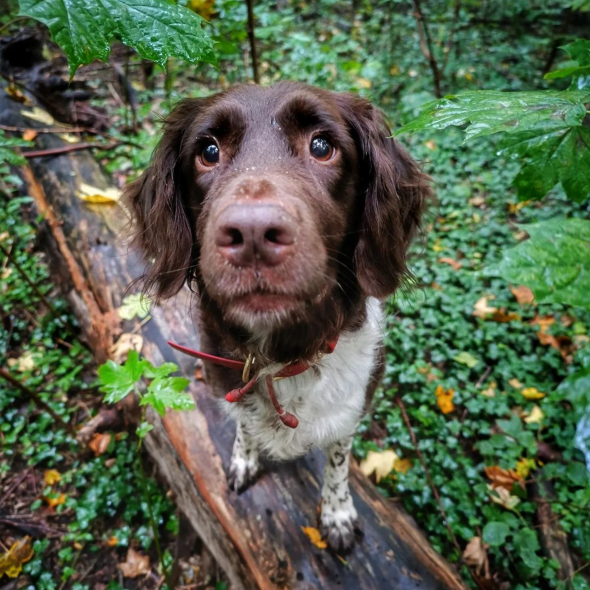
(161, 226)
(394, 193)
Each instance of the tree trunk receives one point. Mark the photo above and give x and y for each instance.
(256, 537)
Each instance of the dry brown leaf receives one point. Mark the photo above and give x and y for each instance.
(563, 344)
(503, 478)
(476, 556)
(100, 443)
(444, 399)
(523, 295)
(380, 463)
(135, 565)
(543, 322)
(29, 134)
(126, 342)
(11, 562)
(315, 537)
(112, 541)
(503, 497)
(17, 94)
(51, 476)
(481, 309)
(199, 374)
(451, 262)
(502, 316)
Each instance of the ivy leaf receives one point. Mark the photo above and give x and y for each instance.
(466, 358)
(143, 429)
(156, 29)
(526, 544)
(554, 262)
(134, 305)
(7, 153)
(495, 533)
(118, 380)
(168, 392)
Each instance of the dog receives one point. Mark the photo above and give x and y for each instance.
(289, 210)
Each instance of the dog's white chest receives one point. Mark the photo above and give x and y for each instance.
(328, 399)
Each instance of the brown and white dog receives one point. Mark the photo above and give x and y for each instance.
(289, 211)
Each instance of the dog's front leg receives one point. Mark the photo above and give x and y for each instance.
(244, 465)
(338, 517)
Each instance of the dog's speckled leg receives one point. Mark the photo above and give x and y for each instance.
(338, 519)
(244, 465)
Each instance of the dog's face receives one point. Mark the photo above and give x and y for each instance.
(275, 201)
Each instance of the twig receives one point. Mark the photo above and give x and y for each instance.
(252, 38)
(485, 375)
(443, 514)
(426, 47)
(451, 39)
(35, 397)
(69, 148)
(29, 282)
(14, 485)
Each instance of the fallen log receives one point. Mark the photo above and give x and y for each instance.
(255, 537)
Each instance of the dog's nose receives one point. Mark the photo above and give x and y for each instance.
(249, 233)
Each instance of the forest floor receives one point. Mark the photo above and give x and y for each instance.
(474, 367)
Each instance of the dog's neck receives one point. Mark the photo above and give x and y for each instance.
(297, 341)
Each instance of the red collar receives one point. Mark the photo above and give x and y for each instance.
(236, 395)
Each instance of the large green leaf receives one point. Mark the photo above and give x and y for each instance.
(554, 262)
(543, 130)
(486, 112)
(7, 153)
(155, 28)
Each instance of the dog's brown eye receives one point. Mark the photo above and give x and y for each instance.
(321, 149)
(210, 155)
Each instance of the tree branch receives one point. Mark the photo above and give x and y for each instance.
(426, 47)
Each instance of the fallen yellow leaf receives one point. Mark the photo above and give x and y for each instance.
(380, 463)
(444, 399)
(503, 497)
(535, 416)
(402, 465)
(437, 247)
(126, 342)
(490, 391)
(514, 382)
(25, 362)
(11, 563)
(29, 134)
(524, 466)
(315, 537)
(113, 541)
(532, 393)
(363, 83)
(54, 500)
(431, 145)
(39, 115)
(95, 195)
(51, 476)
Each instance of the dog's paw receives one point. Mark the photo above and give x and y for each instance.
(339, 529)
(242, 473)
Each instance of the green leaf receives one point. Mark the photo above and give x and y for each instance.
(512, 427)
(466, 358)
(486, 112)
(495, 533)
(554, 262)
(7, 153)
(576, 390)
(543, 131)
(155, 28)
(526, 545)
(117, 381)
(168, 392)
(143, 429)
(163, 370)
(135, 305)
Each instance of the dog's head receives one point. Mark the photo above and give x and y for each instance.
(277, 203)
